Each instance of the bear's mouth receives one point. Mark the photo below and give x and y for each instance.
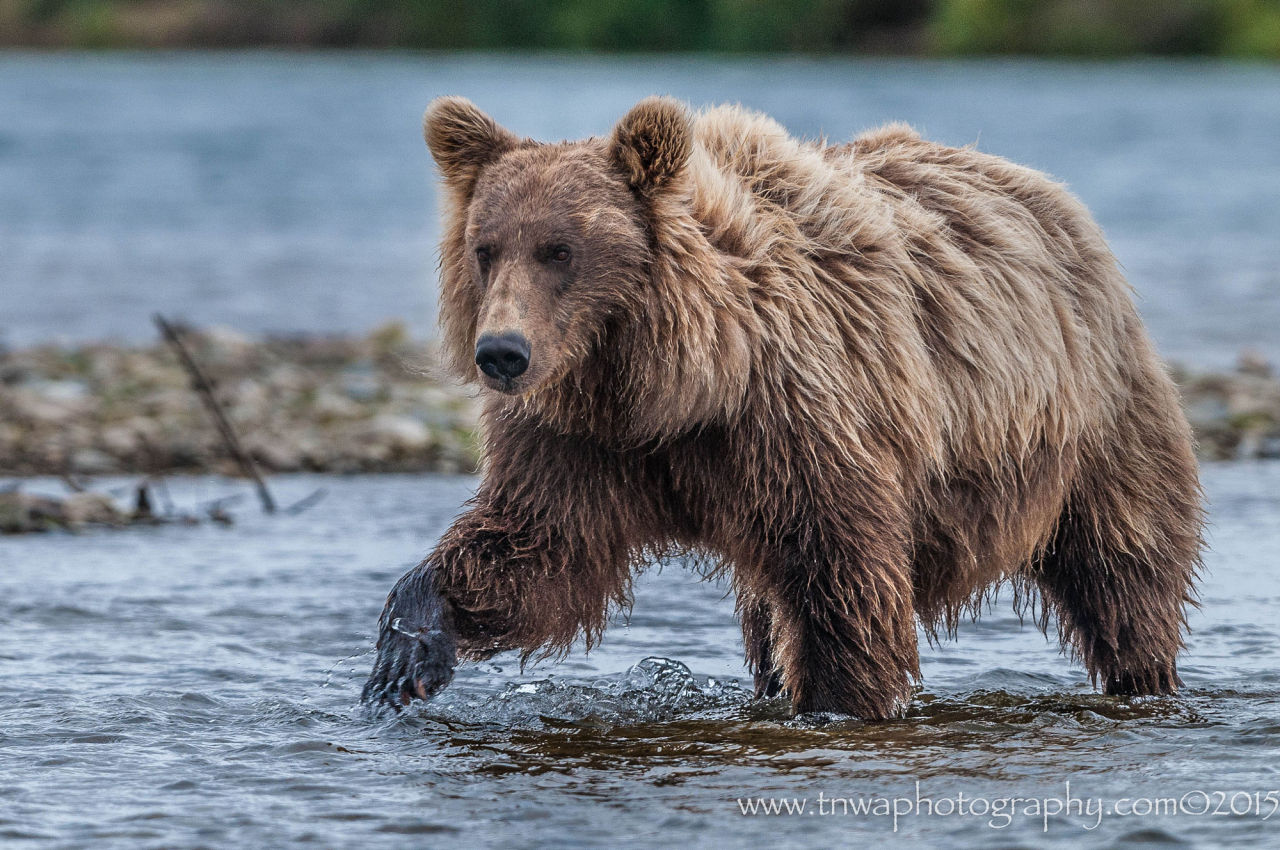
(506, 386)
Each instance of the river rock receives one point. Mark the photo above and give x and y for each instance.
(84, 508)
(21, 513)
(401, 434)
(91, 461)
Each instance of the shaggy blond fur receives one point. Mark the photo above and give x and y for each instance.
(875, 379)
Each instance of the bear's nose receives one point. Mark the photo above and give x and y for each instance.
(503, 356)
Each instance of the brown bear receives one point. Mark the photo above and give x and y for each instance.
(872, 380)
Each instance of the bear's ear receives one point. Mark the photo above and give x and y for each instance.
(651, 144)
(462, 139)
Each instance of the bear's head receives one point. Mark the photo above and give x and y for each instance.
(568, 272)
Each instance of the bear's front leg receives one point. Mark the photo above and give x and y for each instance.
(417, 642)
(844, 635)
(757, 643)
(533, 565)
(841, 624)
(497, 580)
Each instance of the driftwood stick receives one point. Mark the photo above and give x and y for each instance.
(205, 388)
(302, 504)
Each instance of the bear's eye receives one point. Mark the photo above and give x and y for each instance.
(561, 254)
(483, 257)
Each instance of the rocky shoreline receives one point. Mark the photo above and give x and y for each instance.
(376, 403)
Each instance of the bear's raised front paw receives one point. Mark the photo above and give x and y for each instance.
(417, 647)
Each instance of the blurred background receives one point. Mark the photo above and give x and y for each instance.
(258, 167)
(1240, 28)
(286, 188)
(292, 191)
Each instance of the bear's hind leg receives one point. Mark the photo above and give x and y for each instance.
(1120, 567)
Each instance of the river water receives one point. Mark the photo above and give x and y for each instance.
(293, 192)
(198, 687)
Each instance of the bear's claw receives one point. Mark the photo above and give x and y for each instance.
(417, 648)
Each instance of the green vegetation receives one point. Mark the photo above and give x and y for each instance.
(1242, 28)
(1239, 28)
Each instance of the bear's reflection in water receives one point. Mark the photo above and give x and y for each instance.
(660, 713)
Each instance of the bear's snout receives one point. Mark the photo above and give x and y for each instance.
(502, 356)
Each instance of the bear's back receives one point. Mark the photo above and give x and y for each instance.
(1015, 301)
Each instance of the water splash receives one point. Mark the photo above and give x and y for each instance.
(655, 689)
(351, 666)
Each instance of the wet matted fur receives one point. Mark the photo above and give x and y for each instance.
(873, 379)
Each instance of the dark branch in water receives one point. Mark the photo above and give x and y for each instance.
(205, 388)
(314, 498)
